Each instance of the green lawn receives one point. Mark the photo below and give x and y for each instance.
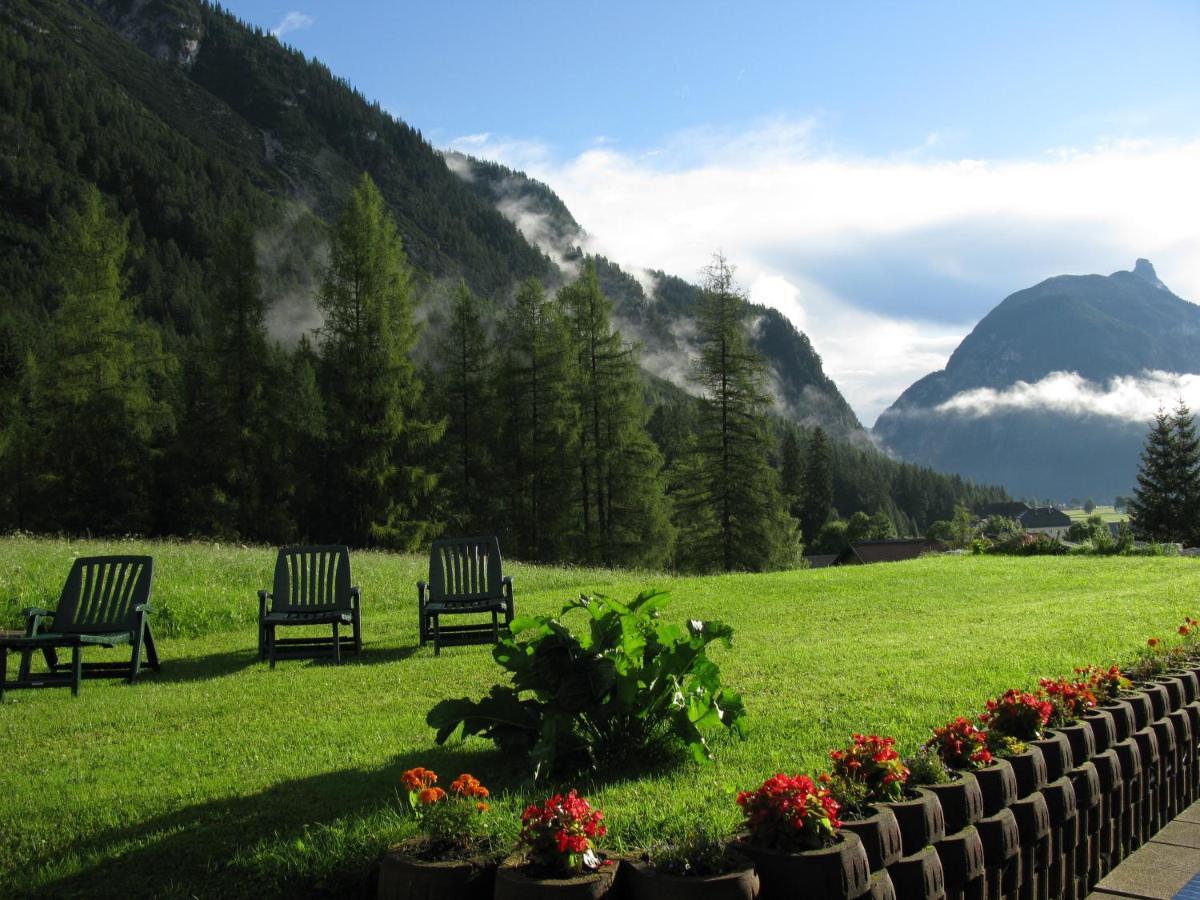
(1106, 513)
(220, 778)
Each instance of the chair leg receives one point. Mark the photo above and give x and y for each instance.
(26, 665)
(423, 624)
(3, 671)
(337, 646)
(495, 627)
(76, 669)
(151, 650)
(271, 644)
(437, 636)
(357, 625)
(135, 662)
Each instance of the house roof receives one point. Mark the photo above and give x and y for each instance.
(1045, 517)
(895, 550)
(1010, 509)
(821, 560)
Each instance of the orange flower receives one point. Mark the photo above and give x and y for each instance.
(468, 786)
(1153, 642)
(482, 807)
(430, 796)
(1183, 630)
(418, 778)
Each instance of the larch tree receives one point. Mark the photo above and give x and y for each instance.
(99, 408)
(623, 508)
(539, 440)
(746, 526)
(376, 486)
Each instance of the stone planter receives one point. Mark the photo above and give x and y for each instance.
(881, 887)
(1082, 739)
(961, 800)
(962, 859)
(1185, 754)
(1146, 742)
(1064, 833)
(1168, 759)
(1056, 753)
(1191, 684)
(1033, 822)
(1001, 840)
(1104, 729)
(513, 882)
(1123, 716)
(644, 882)
(1143, 712)
(919, 876)
(997, 785)
(1030, 769)
(1134, 795)
(838, 872)
(1108, 844)
(1090, 810)
(880, 836)
(921, 822)
(404, 876)
(1176, 692)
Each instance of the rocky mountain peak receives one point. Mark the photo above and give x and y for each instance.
(1144, 270)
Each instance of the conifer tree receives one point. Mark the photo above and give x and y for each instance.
(623, 507)
(375, 486)
(750, 528)
(99, 409)
(818, 483)
(540, 432)
(791, 474)
(1153, 508)
(1187, 475)
(467, 400)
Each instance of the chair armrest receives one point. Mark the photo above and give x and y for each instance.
(263, 597)
(356, 596)
(422, 589)
(144, 607)
(33, 619)
(506, 585)
(30, 611)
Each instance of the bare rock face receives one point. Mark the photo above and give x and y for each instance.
(170, 32)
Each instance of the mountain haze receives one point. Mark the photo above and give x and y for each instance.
(1036, 397)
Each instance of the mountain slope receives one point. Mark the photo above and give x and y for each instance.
(1100, 328)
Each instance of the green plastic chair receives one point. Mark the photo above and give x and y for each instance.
(312, 587)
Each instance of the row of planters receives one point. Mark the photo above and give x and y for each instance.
(1037, 797)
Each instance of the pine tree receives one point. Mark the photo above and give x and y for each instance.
(623, 509)
(375, 488)
(99, 409)
(818, 483)
(1152, 509)
(467, 400)
(1186, 470)
(540, 432)
(750, 527)
(791, 475)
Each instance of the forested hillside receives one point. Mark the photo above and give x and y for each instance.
(179, 196)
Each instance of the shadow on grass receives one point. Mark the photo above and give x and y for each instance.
(202, 668)
(190, 852)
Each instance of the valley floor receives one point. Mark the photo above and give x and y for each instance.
(218, 777)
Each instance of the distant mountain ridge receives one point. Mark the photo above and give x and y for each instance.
(1100, 328)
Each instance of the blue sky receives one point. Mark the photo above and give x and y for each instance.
(885, 174)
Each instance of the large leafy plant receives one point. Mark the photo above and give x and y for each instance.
(628, 684)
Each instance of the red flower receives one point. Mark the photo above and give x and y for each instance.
(961, 744)
(872, 761)
(560, 831)
(790, 813)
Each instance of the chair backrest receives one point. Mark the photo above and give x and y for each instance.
(312, 579)
(464, 569)
(101, 593)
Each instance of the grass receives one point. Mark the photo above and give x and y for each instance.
(220, 778)
(1106, 513)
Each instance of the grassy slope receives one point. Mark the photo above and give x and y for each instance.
(1107, 513)
(220, 778)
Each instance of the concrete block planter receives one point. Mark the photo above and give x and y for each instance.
(1147, 745)
(881, 887)
(1104, 729)
(919, 876)
(1033, 822)
(880, 836)
(1082, 740)
(961, 800)
(997, 785)
(1112, 805)
(1001, 839)
(1134, 779)
(839, 872)
(1090, 811)
(1030, 769)
(1168, 760)
(404, 876)
(1056, 753)
(513, 882)
(1064, 833)
(1139, 702)
(962, 859)
(1122, 715)
(644, 882)
(921, 821)
(1185, 753)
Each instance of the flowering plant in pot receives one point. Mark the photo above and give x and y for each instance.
(794, 837)
(1070, 701)
(1013, 719)
(1106, 685)
(961, 744)
(559, 855)
(454, 855)
(873, 762)
(866, 775)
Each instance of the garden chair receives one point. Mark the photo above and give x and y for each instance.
(464, 578)
(312, 587)
(104, 603)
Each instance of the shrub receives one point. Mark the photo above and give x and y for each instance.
(873, 762)
(559, 835)
(1152, 660)
(629, 687)
(1068, 700)
(960, 744)
(1018, 715)
(927, 767)
(790, 813)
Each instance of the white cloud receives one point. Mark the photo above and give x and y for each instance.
(293, 21)
(1130, 398)
(884, 262)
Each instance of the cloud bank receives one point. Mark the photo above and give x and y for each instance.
(886, 262)
(1129, 398)
(293, 21)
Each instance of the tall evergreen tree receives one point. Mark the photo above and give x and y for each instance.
(466, 391)
(791, 475)
(375, 487)
(623, 507)
(1187, 475)
(818, 483)
(1153, 508)
(750, 528)
(99, 409)
(540, 431)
